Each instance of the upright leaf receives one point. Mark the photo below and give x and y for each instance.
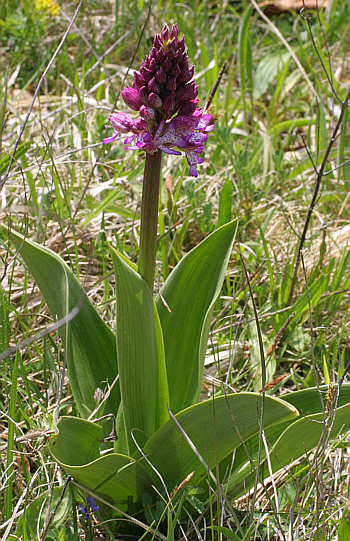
(190, 292)
(88, 342)
(143, 382)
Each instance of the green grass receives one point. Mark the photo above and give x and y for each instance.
(74, 195)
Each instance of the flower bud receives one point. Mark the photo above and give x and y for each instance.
(131, 98)
(185, 76)
(168, 102)
(161, 76)
(187, 93)
(147, 113)
(138, 81)
(166, 65)
(164, 33)
(171, 84)
(175, 71)
(121, 122)
(174, 32)
(153, 66)
(155, 100)
(146, 73)
(188, 108)
(143, 93)
(159, 56)
(153, 86)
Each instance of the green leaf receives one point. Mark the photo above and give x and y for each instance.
(6, 157)
(88, 342)
(117, 478)
(190, 292)
(305, 435)
(225, 204)
(226, 532)
(198, 423)
(268, 68)
(36, 511)
(308, 404)
(114, 477)
(344, 527)
(143, 382)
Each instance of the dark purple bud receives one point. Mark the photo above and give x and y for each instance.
(132, 98)
(171, 53)
(174, 32)
(157, 44)
(177, 58)
(165, 33)
(168, 103)
(153, 53)
(187, 93)
(184, 62)
(138, 80)
(146, 74)
(160, 56)
(166, 65)
(188, 108)
(181, 44)
(175, 72)
(153, 86)
(171, 84)
(155, 100)
(185, 76)
(160, 76)
(153, 66)
(143, 93)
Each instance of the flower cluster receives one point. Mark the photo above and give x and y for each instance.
(48, 6)
(163, 94)
(90, 503)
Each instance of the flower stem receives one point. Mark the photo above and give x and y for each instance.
(149, 217)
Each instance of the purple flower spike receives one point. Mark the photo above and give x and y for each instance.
(164, 93)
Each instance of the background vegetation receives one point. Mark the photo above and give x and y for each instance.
(277, 105)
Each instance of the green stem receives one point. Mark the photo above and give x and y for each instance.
(149, 217)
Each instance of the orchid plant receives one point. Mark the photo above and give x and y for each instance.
(141, 422)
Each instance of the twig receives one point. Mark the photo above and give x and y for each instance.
(263, 381)
(47, 527)
(320, 174)
(51, 328)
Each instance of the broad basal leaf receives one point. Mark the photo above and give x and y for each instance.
(292, 441)
(190, 292)
(114, 477)
(88, 342)
(235, 419)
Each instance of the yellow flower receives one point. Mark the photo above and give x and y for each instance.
(49, 6)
